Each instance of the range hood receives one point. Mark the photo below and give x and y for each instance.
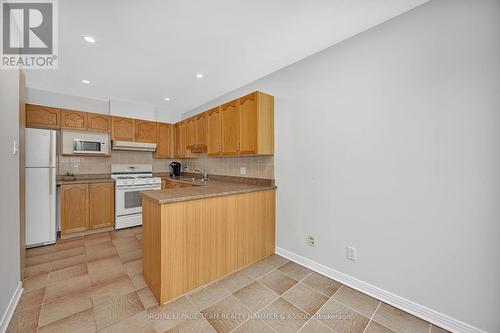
(136, 146)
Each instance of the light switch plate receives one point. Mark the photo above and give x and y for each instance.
(351, 253)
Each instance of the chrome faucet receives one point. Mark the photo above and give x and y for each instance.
(203, 172)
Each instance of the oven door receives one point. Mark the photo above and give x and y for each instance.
(128, 198)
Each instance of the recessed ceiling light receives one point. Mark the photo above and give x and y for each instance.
(167, 99)
(199, 75)
(86, 81)
(89, 39)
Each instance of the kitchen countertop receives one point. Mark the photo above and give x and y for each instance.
(213, 188)
(86, 179)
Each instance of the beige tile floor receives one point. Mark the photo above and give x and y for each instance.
(94, 283)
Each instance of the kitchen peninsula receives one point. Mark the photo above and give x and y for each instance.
(196, 234)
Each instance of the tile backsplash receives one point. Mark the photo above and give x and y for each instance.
(256, 166)
(93, 165)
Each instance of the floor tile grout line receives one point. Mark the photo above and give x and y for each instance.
(313, 316)
(265, 306)
(279, 296)
(374, 312)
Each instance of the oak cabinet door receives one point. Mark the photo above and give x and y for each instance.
(191, 132)
(42, 116)
(165, 141)
(182, 138)
(180, 147)
(248, 124)
(176, 140)
(122, 129)
(201, 130)
(230, 114)
(101, 205)
(145, 131)
(98, 122)
(74, 208)
(214, 132)
(73, 119)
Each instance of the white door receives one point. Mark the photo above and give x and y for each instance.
(40, 206)
(40, 149)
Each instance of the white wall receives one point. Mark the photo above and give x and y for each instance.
(167, 116)
(132, 110)
(389, 142)
(114, 107)
(37, 96)
(9, 194)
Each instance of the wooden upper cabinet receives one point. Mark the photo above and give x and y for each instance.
(71, 119)
(177, 139)
(122, 129)
(214, 132)
(74, 208)
(101, 205)
(42, 116)
(165, 141)
(191, 132)
(230, 114)
(248, 124)
(181, 141)
(145, 131)
(201, 131)
(265, 124)
(98, 122)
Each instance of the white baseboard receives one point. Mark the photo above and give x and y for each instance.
(432, 316)
(7, 315)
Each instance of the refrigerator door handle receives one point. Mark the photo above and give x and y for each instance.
(50, 182)
(51, 153)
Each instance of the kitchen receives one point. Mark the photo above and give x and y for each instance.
(225, 166)
(91, 202)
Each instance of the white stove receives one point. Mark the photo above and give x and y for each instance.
(130, 181)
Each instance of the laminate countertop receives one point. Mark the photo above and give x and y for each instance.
(213, 188)
(85, 179)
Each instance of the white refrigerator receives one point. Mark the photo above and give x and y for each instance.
(40, 176)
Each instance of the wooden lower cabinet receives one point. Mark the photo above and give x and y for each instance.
(74, 208)
(87, 206)
(190, 243)
(101, 205)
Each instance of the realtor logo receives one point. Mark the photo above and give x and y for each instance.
(29, 34)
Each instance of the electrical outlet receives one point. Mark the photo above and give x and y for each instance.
(351, 253)
(243, 170)
(311, 241)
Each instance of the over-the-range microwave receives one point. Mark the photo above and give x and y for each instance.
(81, 143)
(81, 146)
